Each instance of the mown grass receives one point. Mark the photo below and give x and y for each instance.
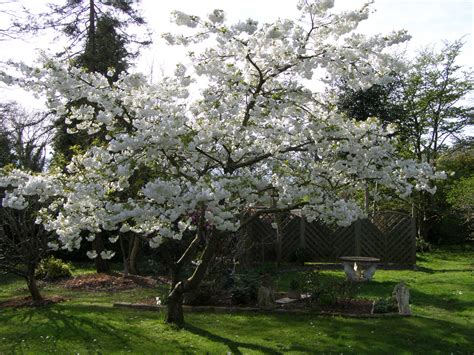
(442, 302)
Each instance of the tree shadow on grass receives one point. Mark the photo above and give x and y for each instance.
(445, 301)
(278, 333)
(6, 279)
(234, 346)
(434, 271)
(95, 328)
(385, 336)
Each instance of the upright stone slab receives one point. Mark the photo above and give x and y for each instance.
(402, 295)
(266, 297)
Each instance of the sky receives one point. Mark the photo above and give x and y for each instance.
(428, 21)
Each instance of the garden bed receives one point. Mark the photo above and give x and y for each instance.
(357, 309)
(108, 282)
(346, 308)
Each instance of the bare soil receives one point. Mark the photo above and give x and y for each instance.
(28, 302)
(109, 282)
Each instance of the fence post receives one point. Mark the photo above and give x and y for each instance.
(413, 240)
(302, 232)
(279, 231)
(357, 236)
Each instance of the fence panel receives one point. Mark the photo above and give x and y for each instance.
(389, 236)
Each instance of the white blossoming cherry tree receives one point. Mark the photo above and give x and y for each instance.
(253, 137)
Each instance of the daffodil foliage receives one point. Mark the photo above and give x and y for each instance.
(245, 127)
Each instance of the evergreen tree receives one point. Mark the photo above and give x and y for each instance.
(104, 53)
(100, 41)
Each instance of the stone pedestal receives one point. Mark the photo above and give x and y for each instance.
(359, 268)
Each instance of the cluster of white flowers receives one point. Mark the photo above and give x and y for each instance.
(256, 137)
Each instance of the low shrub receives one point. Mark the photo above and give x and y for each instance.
(204, 295)
(295, 284)
(326, 291)
(299, 256)
(245, 288)
(386, 305)
(422, 246)
(450, 229)
(53, 268)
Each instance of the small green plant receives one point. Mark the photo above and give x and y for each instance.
(295, 284)
(53, 268)
(327, 291)
(347, 289)
(422, 245)
(245, 288)
(299, 256)
(295, 289)
(386, 305)
(321, 290)
(204, 295)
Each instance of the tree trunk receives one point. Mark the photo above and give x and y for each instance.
(32, 286)
(124, 257)
(176, 295)
(367, 200)
(175, 308)
(91, 36)
(132, 259)
(101, 265)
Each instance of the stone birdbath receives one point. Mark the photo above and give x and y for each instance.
(359, 268)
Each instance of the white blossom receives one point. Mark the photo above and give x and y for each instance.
(107, 254)
(216, 16)
(92, 254)
(113, 239)
(254, 134)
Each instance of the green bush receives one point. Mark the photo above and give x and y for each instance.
(245, 288)
(386, 305)
(450, 229)
(422, 246)
(299, 256)
(295, 284)
(204, 295)
(321, 290)
(327, 291)
(52, 268)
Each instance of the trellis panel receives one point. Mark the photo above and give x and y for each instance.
(389, 236)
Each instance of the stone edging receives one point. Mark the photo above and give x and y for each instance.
(217, 309)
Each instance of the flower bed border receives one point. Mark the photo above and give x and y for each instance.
(220, 309)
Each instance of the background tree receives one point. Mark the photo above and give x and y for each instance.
(454, 200)
(23, 243)
(430, 106)
(8, 30)
(26, 137)
(100, 41)
(437, 109)
(436, 102)
(383, 101)
(380, 100)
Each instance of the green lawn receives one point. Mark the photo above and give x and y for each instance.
(442, 302)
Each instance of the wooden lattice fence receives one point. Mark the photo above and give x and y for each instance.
(389, 236)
